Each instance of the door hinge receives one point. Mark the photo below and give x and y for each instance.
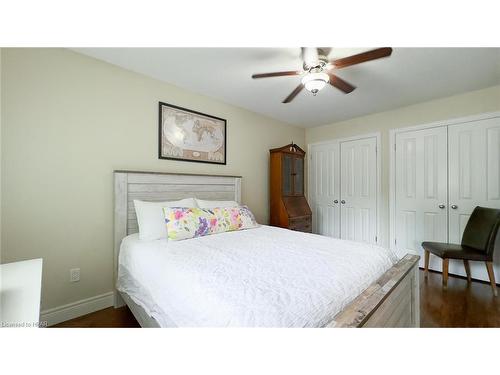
(394, 147)
(376, 239)
(394, 241)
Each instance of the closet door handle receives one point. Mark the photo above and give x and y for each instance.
(454, 206)
(342, 201)
(441, 206)
(336, 201)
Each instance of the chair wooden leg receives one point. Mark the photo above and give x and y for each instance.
(491, 274)
(467, 270)
(445, 272)
(426, 263)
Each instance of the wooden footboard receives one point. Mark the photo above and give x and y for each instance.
(392, 301)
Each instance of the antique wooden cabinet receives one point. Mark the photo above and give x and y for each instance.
(288, 204)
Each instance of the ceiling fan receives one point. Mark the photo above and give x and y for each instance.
(318, 70)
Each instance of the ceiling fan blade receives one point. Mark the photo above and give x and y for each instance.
(362, 57)
(277, 74)
(339, 83)
(324, 51)
(294, 93)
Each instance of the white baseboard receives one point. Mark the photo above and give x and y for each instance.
(75, 309)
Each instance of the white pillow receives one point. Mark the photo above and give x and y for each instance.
(151, 220)
(215, 204)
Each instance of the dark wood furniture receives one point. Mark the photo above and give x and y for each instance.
(478, 244)
(288, 204)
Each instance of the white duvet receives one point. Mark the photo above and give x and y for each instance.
(262, 277)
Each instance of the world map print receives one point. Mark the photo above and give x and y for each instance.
(191, 136)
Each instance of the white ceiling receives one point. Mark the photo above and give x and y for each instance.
(410, 75)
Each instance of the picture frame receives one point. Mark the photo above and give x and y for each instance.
(187, 135)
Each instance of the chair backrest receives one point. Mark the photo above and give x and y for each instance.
(481, 229)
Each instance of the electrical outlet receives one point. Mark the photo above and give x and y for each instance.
(74, 275)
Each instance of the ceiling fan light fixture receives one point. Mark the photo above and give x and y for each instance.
(315, 81)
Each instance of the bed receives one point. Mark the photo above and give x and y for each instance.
(272, 278)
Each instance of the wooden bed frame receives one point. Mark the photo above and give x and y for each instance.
(392, 301)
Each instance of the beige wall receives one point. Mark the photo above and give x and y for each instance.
(68, 122)
(474, 102)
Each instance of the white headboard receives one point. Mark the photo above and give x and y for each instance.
(156, 186)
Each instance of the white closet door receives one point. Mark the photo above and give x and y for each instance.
(421, 189)
(324, 189)
(358, 181)
(474, 179)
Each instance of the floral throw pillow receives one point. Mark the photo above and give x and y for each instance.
(183, 223)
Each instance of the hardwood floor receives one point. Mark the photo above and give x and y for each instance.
(107, 318)
(461, 305)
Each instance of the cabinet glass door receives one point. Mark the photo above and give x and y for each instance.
(287, 174)
(298, 176)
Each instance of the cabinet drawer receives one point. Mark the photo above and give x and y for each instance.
(302, 224)
(305, 228)
(300, 220)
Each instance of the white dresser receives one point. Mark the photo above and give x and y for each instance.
(20, 289)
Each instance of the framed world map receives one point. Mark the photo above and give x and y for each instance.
(191, 136)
